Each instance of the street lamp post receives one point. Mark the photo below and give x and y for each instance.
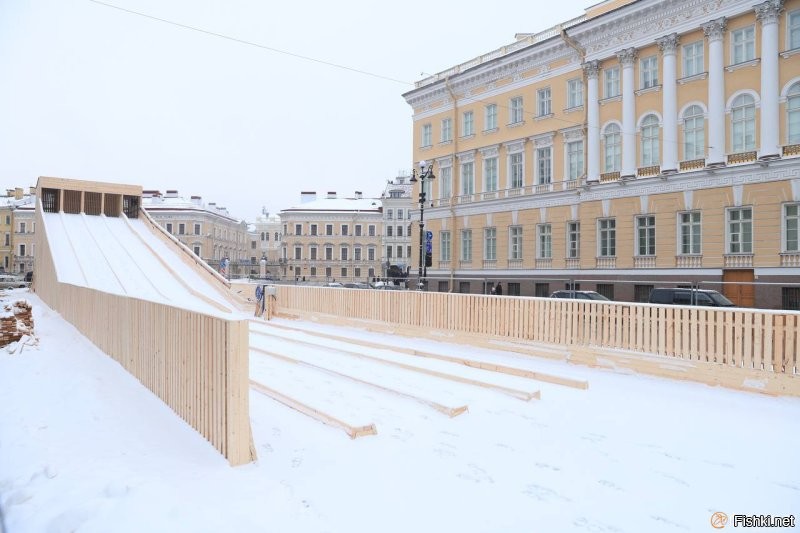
(425, 174)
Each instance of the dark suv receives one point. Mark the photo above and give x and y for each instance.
(579, 295)
(677, 296)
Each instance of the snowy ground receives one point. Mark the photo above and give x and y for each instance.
(84, 447)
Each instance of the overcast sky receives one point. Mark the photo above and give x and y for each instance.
(92, 92)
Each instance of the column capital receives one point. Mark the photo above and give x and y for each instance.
(769, 11)
(591, 68)
(715, 30)
(628, 56)
(668, 44)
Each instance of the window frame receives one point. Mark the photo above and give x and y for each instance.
(695, 239)
(490, 244)
(515, 242)
(648, 72)
(607, 237)
(466, 245)
(743, 231)
(490, 117)
(544, 102)
(743, 49)
(645, 235)
(693, 63)
(544, 241)
(611, 83)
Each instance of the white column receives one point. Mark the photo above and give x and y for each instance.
(669, 104)
(768, 13)
(627, 58)
(714, 32)
(593, 121)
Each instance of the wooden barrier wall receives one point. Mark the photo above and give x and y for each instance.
(197, 364)
(762, 340)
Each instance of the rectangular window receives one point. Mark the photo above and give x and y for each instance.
(693, 59)
(399, 252)
(467, 178)
(574, 160)
(515, 242)
(370, 254)
(389, 231)
(343, 253)
(573, 240)
(574, 93)
(298, 229)
(328, 272)
(427, 135)
(358, 230)
(467, 124)
(399, 231)
(444, 246)
(689, 227)
(181, 229)
(371, 230)
(313, 253)
(641, 293)
(791, 225)
(8, 239)
(740, 230)
(490, 174)
(446, 182)
(298, 253)
(793, 29)
(516, 113)
(545, 241)
(344, 272)
(389, 252)
(329, 253)
(544, 165)
(490, 244)
(466, 245)
(400, 214)
(313, 229)
(345, 229)
(197, 229)
(790, 298)
(463, 287)
(444, 286)
(611, 79)
(328, 229)
(607, 237)
(649, 72)
(22, 250)
(313, 272)
(389, 214)
(447, 130)
(490, 117)
(544, 103)
(357, 253)
(513, 289)
(356, 272)
(743, 43)
(541, 290)
(516, 170)
(646, 235)
(169, 228)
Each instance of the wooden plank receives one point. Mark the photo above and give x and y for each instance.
(354, 431)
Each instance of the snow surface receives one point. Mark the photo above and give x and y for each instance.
(85, 447)
(121, 256)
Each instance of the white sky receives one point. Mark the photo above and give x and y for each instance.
(92, 92)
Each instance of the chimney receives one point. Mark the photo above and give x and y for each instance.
(358, 195)
(18, 193)
(172, 193)
(332, 195)
(10, 193)
(307, 196)
(197, 200)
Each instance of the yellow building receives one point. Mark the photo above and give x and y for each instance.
(332, 239)
(642, 144)
(17, 228)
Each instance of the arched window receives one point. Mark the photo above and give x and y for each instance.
(793, 113)
(694, 133)
(743, 123)
(613, 148)
(263, 236)
(650, 142)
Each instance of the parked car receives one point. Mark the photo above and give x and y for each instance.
(356, 285)
(333, 284)
(683, 296)
(29, 276)
(8, 281)
(580, 295)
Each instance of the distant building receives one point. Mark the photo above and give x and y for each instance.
(397, 206)
(332, 238)
(265, 236)
(17, 227)
(208, 230)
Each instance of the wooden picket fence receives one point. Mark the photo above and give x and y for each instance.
(752, 339)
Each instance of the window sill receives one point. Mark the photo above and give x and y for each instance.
(467, 137)
(573, 109)
(788, 53)
(445, 143)
(617, 98)
(646, 90)
(743, 64)
(516, 124)
(487, 132)
(543, 117)
(695, 77)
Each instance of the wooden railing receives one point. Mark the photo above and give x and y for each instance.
(198, 364)
(758, 340)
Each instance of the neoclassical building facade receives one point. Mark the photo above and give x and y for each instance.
(646, 143)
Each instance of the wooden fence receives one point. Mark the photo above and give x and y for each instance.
(196, 363)
(763, 341)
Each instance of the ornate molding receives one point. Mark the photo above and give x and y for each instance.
(543, 140)
(466, 157)
(627, 57)
(489, 151)
(715, 30)
(574, 133)
(769, 12)
(513, 147)
(668, 44)
(443, 162)
(591, 69)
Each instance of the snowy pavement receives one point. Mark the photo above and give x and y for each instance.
(83, 446)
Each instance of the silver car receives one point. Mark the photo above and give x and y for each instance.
(8, 281)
